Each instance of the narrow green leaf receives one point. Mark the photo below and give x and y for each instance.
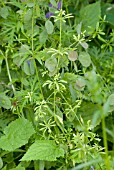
(26, 68)
(16, 134)
(43, 150)
(85, 59)
(49, 27)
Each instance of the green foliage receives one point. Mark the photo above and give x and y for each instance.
(56, 85)
(16, 134)
(90, 15)
(43, 150)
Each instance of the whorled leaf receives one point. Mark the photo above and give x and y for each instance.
(43, 150)
(16, 134)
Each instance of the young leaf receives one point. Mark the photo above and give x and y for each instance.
(85, 59)
(43, 150)
(5, 101)
(16, 134)
(49, 27)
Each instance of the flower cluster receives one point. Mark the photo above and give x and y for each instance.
(59, 5)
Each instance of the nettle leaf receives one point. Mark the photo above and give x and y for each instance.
(84, 59)
(43, 150)
(90, 17)
(5, 101)
(51, 64)
(49, 27)
(72, 55)
(16, 134)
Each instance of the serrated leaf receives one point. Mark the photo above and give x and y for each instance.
(49, 27)
(43, 150)
(90, 16)
(16, 134)
(51, 64)
(5, 101)
(84, 59)
(72, 55)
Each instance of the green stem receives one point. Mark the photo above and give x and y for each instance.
(32, 46)
(60, 29)
(9, 75)
(105, 143)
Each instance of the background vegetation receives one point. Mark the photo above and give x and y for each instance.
(56, 85)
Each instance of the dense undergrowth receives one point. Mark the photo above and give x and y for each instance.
(56, 85)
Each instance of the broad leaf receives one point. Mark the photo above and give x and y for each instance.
(16, 134)
(85, 59)
(72, 55)
(49, 27)
(90, 16)
(51, 64)
(5, 101)
(43, 150)
(43, 36)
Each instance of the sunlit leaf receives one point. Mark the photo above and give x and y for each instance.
(16, 134)
(43, 150)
